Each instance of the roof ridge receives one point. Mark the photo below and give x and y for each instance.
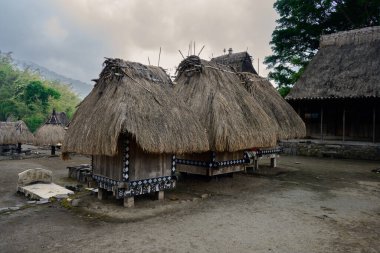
(356, 36)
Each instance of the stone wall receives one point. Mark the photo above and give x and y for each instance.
(338, 149)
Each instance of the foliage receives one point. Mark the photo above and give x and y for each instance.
(284, 90)
(295, 39)
(25, 95)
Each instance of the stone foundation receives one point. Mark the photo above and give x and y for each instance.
(334, 149)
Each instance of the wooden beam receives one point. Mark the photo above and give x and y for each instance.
(102, 194)
(344, 123)
(273, 162)
(321, 123)
(129, 201)
(374, 124)
(160, 195)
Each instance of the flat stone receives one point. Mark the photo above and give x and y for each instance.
(42, 201)
(34, 175)
(44, 191)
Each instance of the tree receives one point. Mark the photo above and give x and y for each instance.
(296, 37)
(35, 91)
(26, 96)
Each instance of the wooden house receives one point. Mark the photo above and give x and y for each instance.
(338, 95)
(240, 62)
(133, 127)
(235, 120)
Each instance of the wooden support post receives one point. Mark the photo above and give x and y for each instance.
(344, 124)
(19, 148)
(129, 202)
(256, 164)
(52, 150)
(321, 123)
(160, 195)
(374, 124)
(273, 162)
(102, 194)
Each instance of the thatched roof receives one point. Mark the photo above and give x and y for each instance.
(15, 132)
(133, 98)
(346, 66)
(241, 62)
(233, 118)
(288, 123)
(49, 134)
(52, 132)
(62, 118)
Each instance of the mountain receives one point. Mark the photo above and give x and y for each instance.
(79, 87)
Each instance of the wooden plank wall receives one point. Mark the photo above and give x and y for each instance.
(110, 166)
(143, 165)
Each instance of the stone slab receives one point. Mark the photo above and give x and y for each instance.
(34, 175)
(44, 191)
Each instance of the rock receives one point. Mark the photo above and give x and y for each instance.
(31, 202)
(34, 175)
(75, 202)
(204, 196)
(195, 199)
(42, 201)
(174, 198)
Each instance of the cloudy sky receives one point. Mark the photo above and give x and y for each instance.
(72, 37)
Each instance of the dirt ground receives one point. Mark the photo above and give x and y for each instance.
(306, 205)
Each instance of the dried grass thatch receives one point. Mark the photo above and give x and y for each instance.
(135, 99)
(241, 62)
(233, 118)
(51, 133)
(15, 132)
(346, 66)
(288, 123)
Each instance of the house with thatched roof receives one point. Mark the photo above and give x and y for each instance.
(51, 133)
(338, 95)
(133, 129)
(287, 122)
(235, 120)
(240, 62)
(15, 133)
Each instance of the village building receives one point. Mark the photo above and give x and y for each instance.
(12, 134)
(236, 121)
(51, 133)
(338, 95)
(133, 128)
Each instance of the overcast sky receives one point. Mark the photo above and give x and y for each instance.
(72, 37)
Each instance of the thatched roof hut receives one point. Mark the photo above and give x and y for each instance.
(338, 95)
(133, 126)
(287, 122)
(14, 133)
(51, 133)
(240, 62)
(133, 98)
(234, 119)
(346, 66)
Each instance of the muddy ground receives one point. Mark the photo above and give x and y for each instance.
(306, 205)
